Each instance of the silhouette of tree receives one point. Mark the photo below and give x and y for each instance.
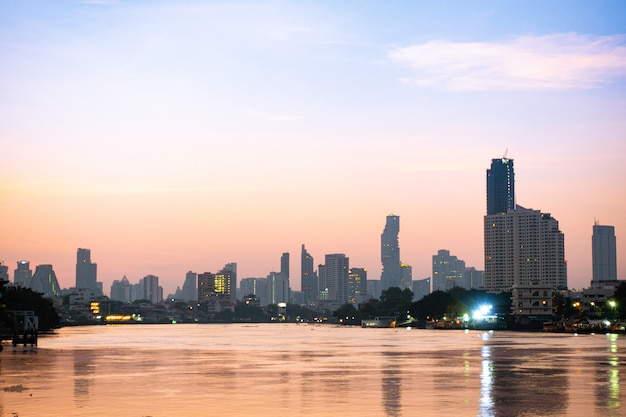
(20, 299)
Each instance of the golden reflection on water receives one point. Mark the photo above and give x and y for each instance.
(306, 370)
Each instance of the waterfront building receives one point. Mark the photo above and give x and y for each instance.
(521, 246)
(232, 281)
(448, 271)
(500, 186)
(334, 278)
(391, 275)
(308, 278)
(22, 274)
(86, 272)
(531, 301)
(44, 280)
(603, 251)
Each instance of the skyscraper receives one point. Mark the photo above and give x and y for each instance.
(334, 277)
(22, 274)
(308, 278)
(523, 246)
(390, 253)
(190, 287)
(500, 186)
(357, 285)
(604, 253)
(45, 281)
(284, 264)
(86, 272)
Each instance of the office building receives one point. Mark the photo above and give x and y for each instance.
(22, 274)
(308, 278)
(86, 272)
(500, 186)
(190, 287)
(448, 271)
(277, 288)
(123, 290)
(4, 272)
(256, 287)
(407, 275)
(421, 288)
(391, 275)
(604, 253)
(148, 289)
(474, 278)
(357, 285)
(284, 264)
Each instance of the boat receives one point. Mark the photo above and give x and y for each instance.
(379, 322)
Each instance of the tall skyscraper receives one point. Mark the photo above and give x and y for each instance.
(277, 288)
(357, 285)
(232, 268)
(148, 289)
(284, 264)
(86, 272)
(334, 277)
(500, 186)
(4, 272)
(22, 274)
(448, 271)
(390, 253)
(308, 278)
(190, 287)
(604, 253)
(123, 290)
(523, 246)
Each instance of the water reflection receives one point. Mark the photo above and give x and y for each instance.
(84, 369)
(608, 379)
(486, 383)
(391, 384)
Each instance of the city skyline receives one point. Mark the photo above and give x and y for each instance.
(176, 136)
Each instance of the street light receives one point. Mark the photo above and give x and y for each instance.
(612, 304)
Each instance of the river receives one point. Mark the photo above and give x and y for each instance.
(311, 370)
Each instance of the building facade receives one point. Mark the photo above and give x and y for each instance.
(522, 246)
(357, 285)
(448, 271)
(308, 278)
(391, 275)
(44, 280)
(604, 253)
(500, 186)
(334, 275)
(86, 272)
(22, 274)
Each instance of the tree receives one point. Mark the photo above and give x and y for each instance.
(25, 299)
(347, 314)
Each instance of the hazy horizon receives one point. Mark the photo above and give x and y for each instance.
(173, 136)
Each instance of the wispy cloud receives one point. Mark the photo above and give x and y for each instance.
(550, 62)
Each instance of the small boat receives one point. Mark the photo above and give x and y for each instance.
(379, 322)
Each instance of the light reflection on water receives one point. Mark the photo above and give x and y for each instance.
(311, 370)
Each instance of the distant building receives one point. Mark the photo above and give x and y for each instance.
(22, 274)
(604, 253)
(308, 278)
(190, 287)
(277, 288)
(421, 288)
(4, 272)
(532, 300)
(521, 246)
(284, 264)
(374, 288)
(86, 272)
(45, 281)
(232, 283)
(215, 285)
(357, 286)
(256, 287)
(500, 186)
(148, 289)
(448, 272)
(407, 276)
(333, 276)
(391, 275)
(122, 290)
(474, 278)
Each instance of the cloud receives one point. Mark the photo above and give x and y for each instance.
(551, 62)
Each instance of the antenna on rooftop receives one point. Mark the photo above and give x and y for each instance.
(506, 152)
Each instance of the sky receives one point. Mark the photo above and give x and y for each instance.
(169, 136)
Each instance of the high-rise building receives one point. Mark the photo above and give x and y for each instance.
(123, 290)
(231, 292)
(148, 289)
(190, 287)
(219, 285)
(474, 277)
(448, 271)
(256, 287)
(500, 186)
(391, 275)
(308, 278)
(86, 272)
(357, 285)
(604, 253)
(421, 288)
(4, 272)
(334, 277)
(284, 264)
(522, 247)
(277, 288)
(407, 276)
(45, 281)
(22, 274)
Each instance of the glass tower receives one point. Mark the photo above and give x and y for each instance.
(390, 253)
(500, 186)
(603, 250)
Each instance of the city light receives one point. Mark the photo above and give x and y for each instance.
(481, 312)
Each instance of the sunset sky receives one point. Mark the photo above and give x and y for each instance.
(169, 136)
